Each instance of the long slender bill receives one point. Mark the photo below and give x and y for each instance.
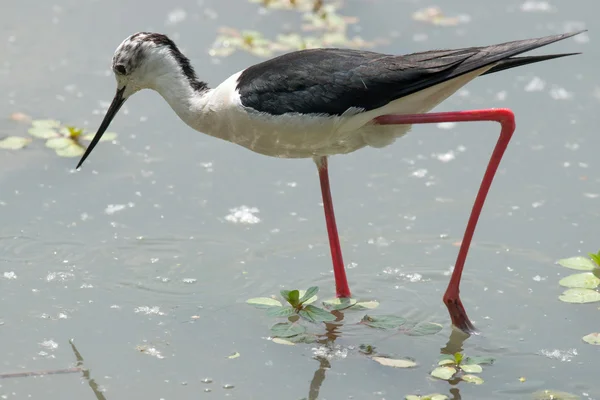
(110, 114)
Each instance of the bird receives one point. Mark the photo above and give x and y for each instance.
(316, 103)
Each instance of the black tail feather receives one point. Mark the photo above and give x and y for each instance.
(519, 61)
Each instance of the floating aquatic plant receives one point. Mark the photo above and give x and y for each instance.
(433, 396)
(297, 306)
(554, 395)
(386, 360)
(458, 367)
(395, 362)
(582, 286)
(406, 326)
(435, 16)
(298, 303)
(592, 338)
(65, 140)
(298, 5)
(14, 143)
(331, 29)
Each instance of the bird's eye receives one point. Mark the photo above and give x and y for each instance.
(120, 69)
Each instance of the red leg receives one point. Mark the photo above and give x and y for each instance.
(341, 283)
(506, 119)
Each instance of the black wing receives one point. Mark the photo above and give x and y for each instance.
(330, 81)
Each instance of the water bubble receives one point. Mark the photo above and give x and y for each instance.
(148, 310)
(243, 214)
(10, 275)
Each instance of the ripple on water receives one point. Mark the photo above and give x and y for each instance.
(26, 249)
(160, 265)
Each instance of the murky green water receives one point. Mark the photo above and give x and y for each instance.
(135, 251)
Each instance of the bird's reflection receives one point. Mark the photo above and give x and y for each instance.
(454, 345)
(455, 342)
(327, 339)
(318, 378)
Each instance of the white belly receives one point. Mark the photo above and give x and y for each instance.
(301, 136)
(304, 136)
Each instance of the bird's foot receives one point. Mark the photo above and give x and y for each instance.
(459, 317)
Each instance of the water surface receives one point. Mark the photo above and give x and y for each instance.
(135, 251)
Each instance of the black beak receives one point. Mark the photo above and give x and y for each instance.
(110, 114)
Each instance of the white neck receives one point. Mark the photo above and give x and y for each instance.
(188, 103)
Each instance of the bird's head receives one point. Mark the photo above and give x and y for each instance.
(142, 59)
(140, 62)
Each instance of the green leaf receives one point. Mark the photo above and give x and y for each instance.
(287, 329)
(264, 302)
(471, 368)
(383, 321)
(478, 360)
(458, 357)
(73, 150)
(234, 355)
(339, 304)
(291, 296)
(449, 357)
(365, 305)
(474, 379)
(285, 294)
(303, 338)
(281, 311)
(45, 123)
(316, 314)
(74, 132)
(294, 298)
(308, 296)
(432, 396)
(554, 395)
(59, 142)
(595, 258)
(447, 362)
(578, 263)
(108, 136)
(445, 373)
(396, 363)
(579, 296)
(14, 143)
(592, 338)
(366, 349)
(422, 329)
(282, 341)
(585, 280)
(42, 133)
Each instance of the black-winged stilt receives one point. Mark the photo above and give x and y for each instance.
(321, 102)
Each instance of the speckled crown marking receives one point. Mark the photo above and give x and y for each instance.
(132, 53)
